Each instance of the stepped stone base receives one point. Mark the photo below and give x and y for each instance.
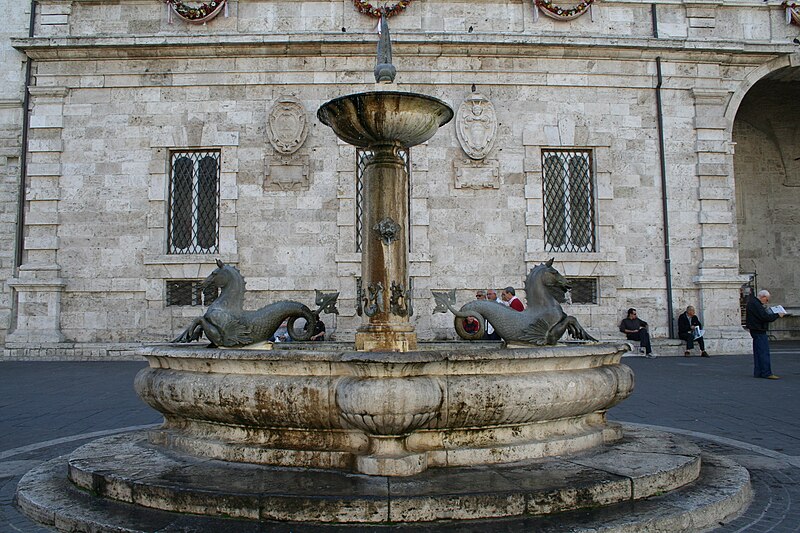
(73, 351)
(647, 481)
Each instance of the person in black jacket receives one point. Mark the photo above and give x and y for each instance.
(758, 319)
(636, 330)
(688, 324)
(319, 331)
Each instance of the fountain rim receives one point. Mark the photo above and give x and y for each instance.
(346, 353)
(350, 96)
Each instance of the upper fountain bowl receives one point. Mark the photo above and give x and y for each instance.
(385, 117)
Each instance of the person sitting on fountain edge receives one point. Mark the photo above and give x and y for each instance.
(319, 331)
(281, 334)
(636, 330)
(471, 324)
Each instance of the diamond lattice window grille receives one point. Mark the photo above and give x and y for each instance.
(363, 157)
(194, 202)
(584, 290)
(190, 292)
(568, 201)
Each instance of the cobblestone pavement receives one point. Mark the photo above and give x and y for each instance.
(50, 408)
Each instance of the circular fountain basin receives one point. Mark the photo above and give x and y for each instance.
(384, 413)
(385, 117)
(478, 409)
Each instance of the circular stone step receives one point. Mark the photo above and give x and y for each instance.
(126, 470)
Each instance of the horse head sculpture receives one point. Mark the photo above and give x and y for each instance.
(231, 283)
(226, 323)
(544, 277)
(543, 322)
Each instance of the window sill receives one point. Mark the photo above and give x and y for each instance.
(189, 259)
(577, 257)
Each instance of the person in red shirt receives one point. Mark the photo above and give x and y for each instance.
(471, 325)
(508, 296)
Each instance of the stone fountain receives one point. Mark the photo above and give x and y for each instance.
(390, 430)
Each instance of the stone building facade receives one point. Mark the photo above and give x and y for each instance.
(607, 143)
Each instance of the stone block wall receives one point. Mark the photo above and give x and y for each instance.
(731, 21)
(104, 122)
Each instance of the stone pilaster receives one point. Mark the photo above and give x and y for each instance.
(10, 142)
(701, 17)
(53, 18)
(38, 309)
(718, 274)
(38, 285)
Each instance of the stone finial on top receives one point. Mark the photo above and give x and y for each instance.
(384, 70)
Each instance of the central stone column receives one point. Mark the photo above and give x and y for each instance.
(385, 295)
(384, 122)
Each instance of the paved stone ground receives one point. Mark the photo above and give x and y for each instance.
(719, 404)
(49, 409)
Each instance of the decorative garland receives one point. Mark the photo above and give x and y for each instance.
(562, 13)
(196, 14)
(368, 9)
(792, 12)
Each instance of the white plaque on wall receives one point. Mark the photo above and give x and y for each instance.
(477, 174)
(476, 126)
(287, 125)
(287, 174)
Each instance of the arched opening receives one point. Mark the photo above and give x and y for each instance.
(766, 131)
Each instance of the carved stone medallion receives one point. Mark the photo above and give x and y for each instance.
(476, 126)
(287, 125)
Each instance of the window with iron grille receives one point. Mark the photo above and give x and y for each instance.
(584, 290)
(362, 159)
(194, 202)
(568, 201)
(190, 292)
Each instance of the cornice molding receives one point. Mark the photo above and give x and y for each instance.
(44, 91)
(10, 103)
(416, 44)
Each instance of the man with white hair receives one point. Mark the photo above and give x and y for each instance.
(758, 318)
(690, 329)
